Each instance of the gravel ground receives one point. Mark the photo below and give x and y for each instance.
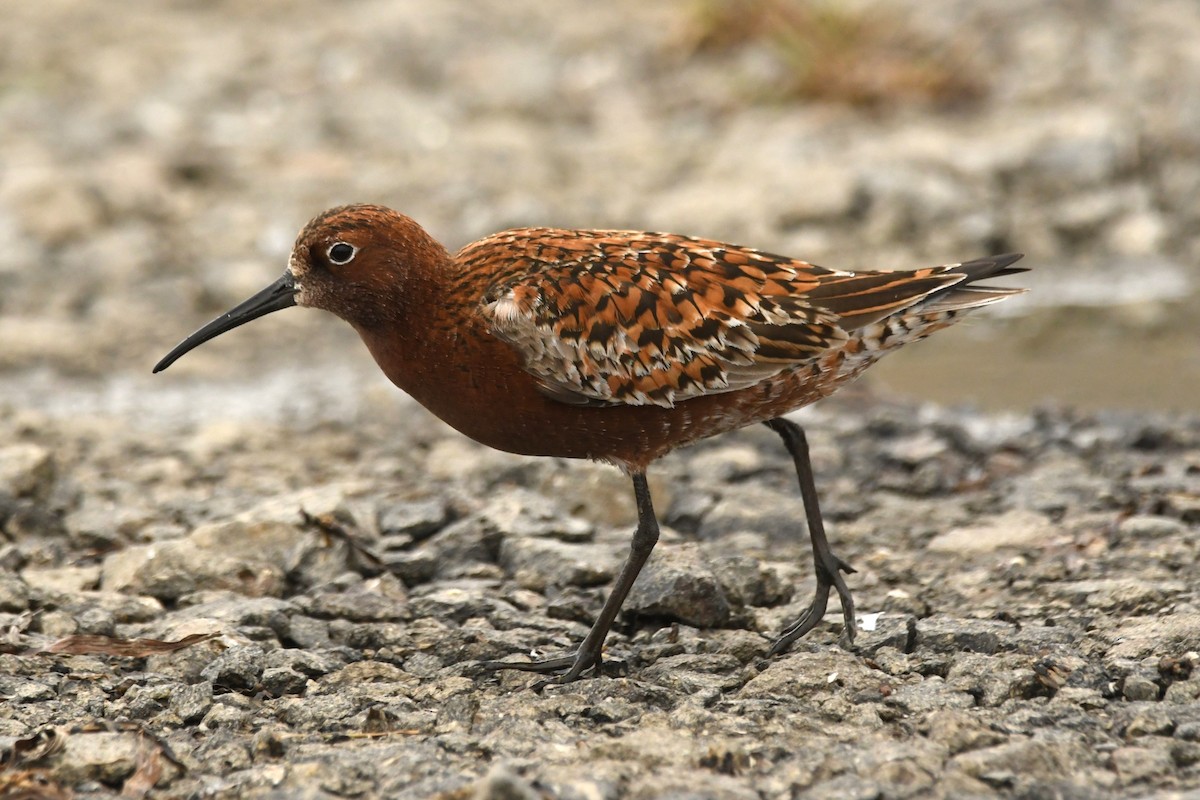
(1031, 621)
(331, 563)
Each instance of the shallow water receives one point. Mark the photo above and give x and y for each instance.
(1139, 355)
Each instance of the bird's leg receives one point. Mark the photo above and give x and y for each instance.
(588, 656)
(828, 566)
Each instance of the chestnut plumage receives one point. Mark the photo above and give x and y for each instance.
(613, 345)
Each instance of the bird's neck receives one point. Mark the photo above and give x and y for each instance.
(424, 344)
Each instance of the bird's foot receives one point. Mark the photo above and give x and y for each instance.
(829, 576)
(572, 668)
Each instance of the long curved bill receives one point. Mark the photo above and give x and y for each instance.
(279, 295)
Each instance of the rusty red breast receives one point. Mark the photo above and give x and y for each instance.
(612, 345)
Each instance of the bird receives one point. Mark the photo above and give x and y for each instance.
(614, 345)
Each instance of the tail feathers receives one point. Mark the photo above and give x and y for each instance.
(964, 294)
(932, 312)
(864, 298)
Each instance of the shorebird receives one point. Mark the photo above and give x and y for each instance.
(618, 346)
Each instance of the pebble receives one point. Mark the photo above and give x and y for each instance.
(249, 557)
(26, 470)
(103, 757)
(537, 564)
(1151, 526)
(776, 515)
(1139, 764)
(239, 668)
(191, 702)
(415, 519)
(678, 583)
(1018, 528)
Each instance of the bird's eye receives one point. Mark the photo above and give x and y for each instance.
(341, 253)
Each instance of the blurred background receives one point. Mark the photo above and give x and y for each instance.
(157, 159)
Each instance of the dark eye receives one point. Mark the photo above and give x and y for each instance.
(341, 253)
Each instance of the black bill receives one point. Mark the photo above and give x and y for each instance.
(279, 295)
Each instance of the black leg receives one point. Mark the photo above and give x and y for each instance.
(828, 566)
(588, 656)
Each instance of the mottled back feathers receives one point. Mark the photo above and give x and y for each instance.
(621, 317)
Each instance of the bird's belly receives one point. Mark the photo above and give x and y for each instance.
(517, 418)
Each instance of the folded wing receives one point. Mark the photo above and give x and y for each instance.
(619, 317)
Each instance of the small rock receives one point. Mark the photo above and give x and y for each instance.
(540, 563)
(777, 515)
(330, 500)
(1057, 483)
(694, 674)
(376, 600)
(1149, 526)
(97, 524)
(1017, 528)
(1129, 594)
(453, 600)
(107, 758)
(678, 583)
(191, 702)
(145, 701)
(601, 495)
(417, 519)
(952, 635)
(745, 581)
(1032, 760)
(688, 509)
(456, 458)
(456, 549)
(224, 715)
(11, 557)
(1139, 688)
(307, 632)
(32, 692)
(804, 675)
(727, 462)
(1186, 505)
(522, 512)
(1135, 764)
(246, 557)
(1150, 722)
(960, 731)
(1182, 692)
(280, 681)
(307, 663)
(502, 784)
(931, 694)
(96, 621)
(1142, 637)
(57, 624)
(914, 450)
(64, 580)
(239, 668)
(26, 470)
(14, 594)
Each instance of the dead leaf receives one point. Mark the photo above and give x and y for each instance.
(90, 644)
(31, 784)
(45, 742)
(149, 769)
(333, 529)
